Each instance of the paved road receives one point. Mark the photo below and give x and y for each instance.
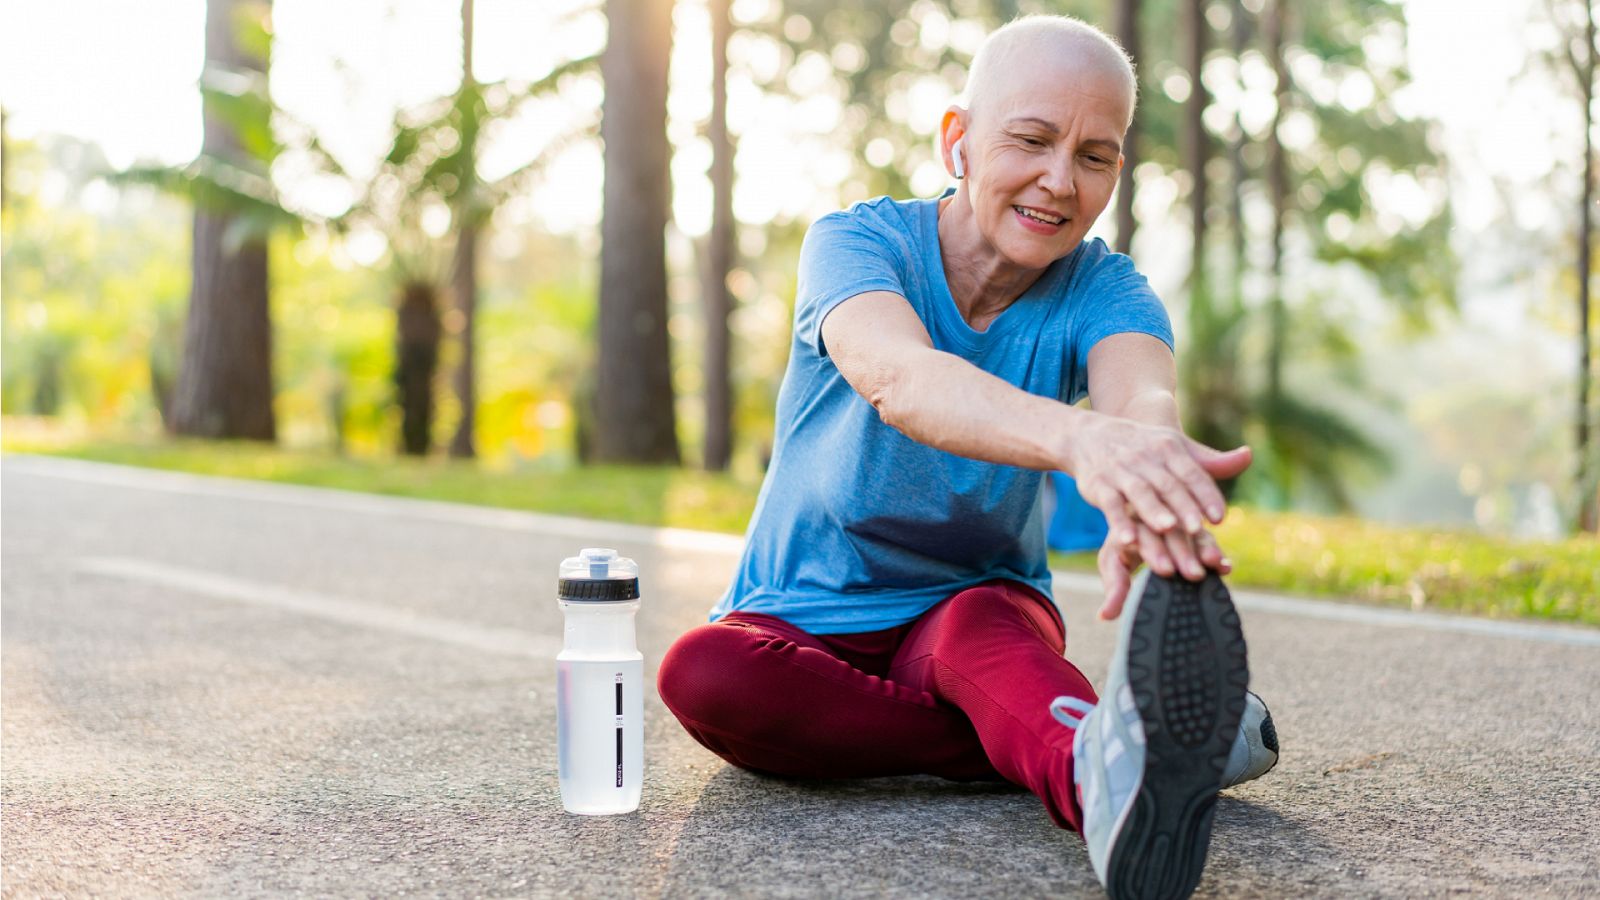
(215, 688)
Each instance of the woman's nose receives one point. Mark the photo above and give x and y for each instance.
(1059, 179)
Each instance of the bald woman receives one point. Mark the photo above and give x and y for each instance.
(891, 612)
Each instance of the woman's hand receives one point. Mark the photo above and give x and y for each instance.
(1146, 474)
(1157, 489)
(1170, 554)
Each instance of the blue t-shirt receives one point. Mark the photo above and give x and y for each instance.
(860, 528)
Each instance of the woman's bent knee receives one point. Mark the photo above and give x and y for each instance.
(699, 676)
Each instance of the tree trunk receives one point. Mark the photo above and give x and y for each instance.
(719, 253)
(1589, 504)
(464, 264)
(1241, 40)
(224, 385)
(464, 288)
(416, 361)
(1278, 186)
(634, 417)
(1196, 145)
(1127, 26)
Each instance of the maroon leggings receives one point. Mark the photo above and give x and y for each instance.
(962, 692)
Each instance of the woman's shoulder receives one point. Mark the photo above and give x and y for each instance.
(893, 224)
(880, 213)
(1094, 265)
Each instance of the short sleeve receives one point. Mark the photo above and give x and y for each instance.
(841, 256)
(1117, 300)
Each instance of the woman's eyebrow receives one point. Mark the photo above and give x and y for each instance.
(1046, 125)
(1109, 145)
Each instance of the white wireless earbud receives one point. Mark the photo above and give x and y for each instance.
(955, 157)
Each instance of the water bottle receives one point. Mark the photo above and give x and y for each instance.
(599, 685)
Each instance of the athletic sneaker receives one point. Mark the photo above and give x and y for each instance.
(1148, 759)
(1255, 747)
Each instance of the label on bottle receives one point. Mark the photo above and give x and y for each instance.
(599, 730)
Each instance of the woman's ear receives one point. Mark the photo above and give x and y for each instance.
(952, 137)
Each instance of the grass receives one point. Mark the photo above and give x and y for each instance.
(1310, 555)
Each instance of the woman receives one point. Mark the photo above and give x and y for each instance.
(891, 613)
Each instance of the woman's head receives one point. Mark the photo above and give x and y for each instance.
(1048, 101)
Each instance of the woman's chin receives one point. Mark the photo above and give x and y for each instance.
(1036, 254)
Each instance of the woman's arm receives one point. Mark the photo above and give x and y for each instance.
(1133, 376)
(1138, 474)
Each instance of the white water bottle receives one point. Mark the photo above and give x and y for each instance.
(599, 685)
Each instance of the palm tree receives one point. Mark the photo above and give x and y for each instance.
(224, 386)
(432, 160)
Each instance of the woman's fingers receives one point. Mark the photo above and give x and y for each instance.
(1181, 547)
(1148, 476)
(1146, 504)
(1211, 553)
(1219, 463)
(1119, 525)
(1201, 488)
(1115, 570)
(1153, 549)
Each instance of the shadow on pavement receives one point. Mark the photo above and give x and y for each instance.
(756, 835)
(1257, 851)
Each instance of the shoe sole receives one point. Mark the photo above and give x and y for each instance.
(1188, 673)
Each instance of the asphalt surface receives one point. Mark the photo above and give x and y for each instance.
(216, 688)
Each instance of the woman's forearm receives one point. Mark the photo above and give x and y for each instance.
(941, 400)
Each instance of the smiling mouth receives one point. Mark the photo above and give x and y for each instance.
(1037, 216)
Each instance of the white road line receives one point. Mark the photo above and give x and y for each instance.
(370, 504)
(323, 606)
(700, 541)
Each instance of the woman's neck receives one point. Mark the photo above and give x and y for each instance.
(982, 283)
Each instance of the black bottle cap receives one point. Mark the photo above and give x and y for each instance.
(597, 590)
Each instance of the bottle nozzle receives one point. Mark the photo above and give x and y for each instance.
(599, 560)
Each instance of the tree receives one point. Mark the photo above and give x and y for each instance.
(633, 406)
(1215, 408)
(1127, 31)
(432, 163)
(468, 218)
(417, 332)
(224, 387)
(1578, 56)
(719, 252)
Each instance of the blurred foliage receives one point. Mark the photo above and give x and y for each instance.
(432, 164)
(91, 302)
(1415, 568)
(96, 281)
(236, 179)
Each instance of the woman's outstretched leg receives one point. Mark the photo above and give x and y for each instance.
(767, 696)
(995, 652)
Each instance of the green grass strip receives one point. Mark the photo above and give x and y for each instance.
(1299, 554)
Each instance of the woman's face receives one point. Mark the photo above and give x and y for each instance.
(1042, 159)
